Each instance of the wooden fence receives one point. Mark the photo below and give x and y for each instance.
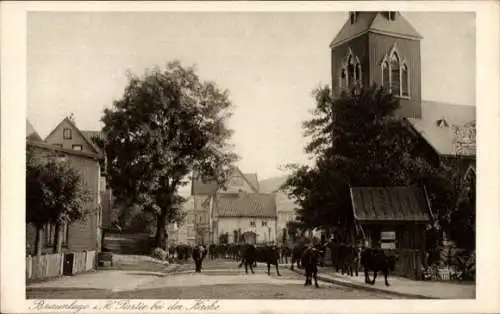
(409, 263)
(52, 265)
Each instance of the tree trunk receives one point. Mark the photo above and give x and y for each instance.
(161, 224)
(57, 239)
(38, 241)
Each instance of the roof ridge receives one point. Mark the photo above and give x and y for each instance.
(72, 124)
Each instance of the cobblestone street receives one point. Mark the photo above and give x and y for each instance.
(220, 279)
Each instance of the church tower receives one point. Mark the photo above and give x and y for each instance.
(379, 48)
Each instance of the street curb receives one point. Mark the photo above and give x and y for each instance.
(170, 270)
(369, 288)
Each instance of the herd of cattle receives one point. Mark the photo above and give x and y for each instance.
(344, 258)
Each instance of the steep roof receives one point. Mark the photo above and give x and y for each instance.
(245, 205)
(72, 124)
(252, 180)
(199, 187)
(390, 204)
(31, 133)
(375, 22)
(90, 134)
(442, 136)
(48, 147)
(271, 185)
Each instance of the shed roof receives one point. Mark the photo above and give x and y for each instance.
(390, 204)
(245, 205)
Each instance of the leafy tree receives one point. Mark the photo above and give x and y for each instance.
(357, 139)
(293, 228)
(461, 222)
(167, 125)
(54, 194)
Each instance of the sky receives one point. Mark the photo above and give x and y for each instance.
(269, 63)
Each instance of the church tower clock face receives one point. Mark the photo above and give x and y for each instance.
(383, 49)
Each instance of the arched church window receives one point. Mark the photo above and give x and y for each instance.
(350, 72)
(395, 75)
(404, 81)
(358, 72)
(385, 74)
(343, 78)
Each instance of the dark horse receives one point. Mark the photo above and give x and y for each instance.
(199, 253)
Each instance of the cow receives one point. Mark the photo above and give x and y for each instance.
(264, 254)
(285, 254)
(212, 251)
(376, 260)
(297, 251)
(348, 259)
(199, 253)
(248, 257)
(309, 260)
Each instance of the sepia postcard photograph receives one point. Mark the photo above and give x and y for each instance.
(250, 157)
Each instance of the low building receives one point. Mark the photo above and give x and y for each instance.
(200, 223)
(245, 217)
(285, 206)
(394, 218)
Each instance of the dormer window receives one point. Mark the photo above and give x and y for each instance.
(392, 15)
(442, 123)
(353, 16)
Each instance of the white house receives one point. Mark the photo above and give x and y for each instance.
(200, 221)
(248, 217)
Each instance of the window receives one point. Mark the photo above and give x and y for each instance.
(392, 15)
(58, 145)
(67, 134)
(395, 75)
(77, 147)
(404, 80)
(358, 72)
(350, 72)
(252, 223)
(388, 240)
(343, 78)
(385, 75)
(264, 224)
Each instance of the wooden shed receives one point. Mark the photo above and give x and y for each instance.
(394, 219)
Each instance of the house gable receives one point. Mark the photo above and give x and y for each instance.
(75, 138)
(238, 181)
